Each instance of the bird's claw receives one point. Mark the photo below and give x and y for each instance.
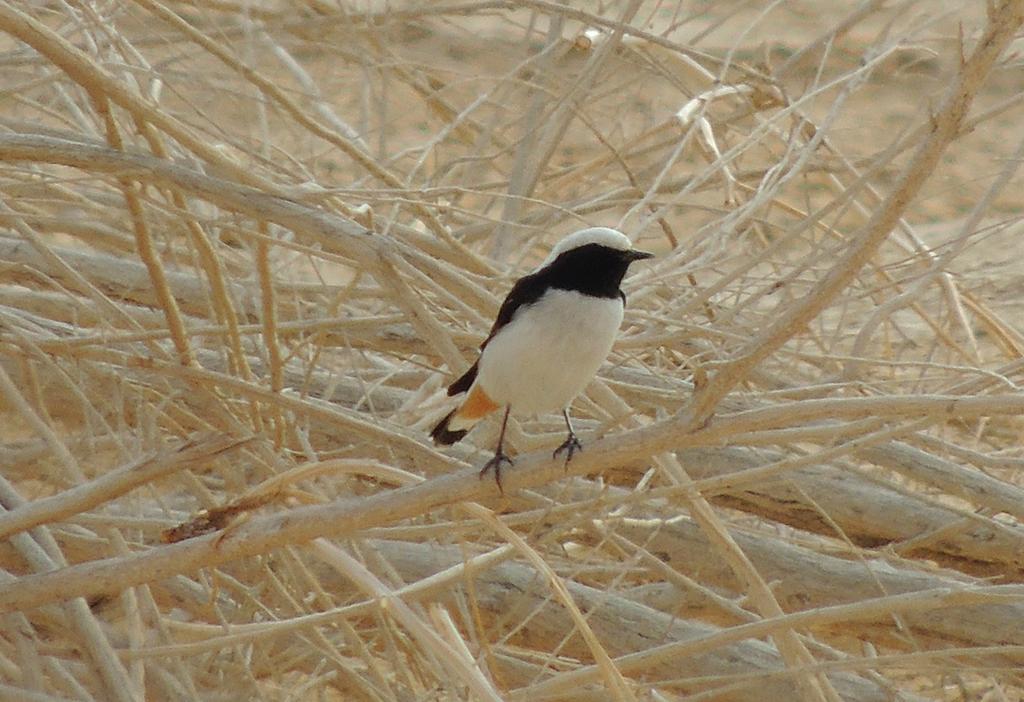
(495, 464)
(571, 445)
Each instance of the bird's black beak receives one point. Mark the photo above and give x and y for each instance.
(635, 255)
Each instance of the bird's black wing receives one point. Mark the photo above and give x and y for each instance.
(525, 292)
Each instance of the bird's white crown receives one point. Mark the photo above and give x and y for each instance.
(604, 236)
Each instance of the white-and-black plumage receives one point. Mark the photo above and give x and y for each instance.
(553, 331)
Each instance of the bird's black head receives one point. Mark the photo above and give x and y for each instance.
(592, 261)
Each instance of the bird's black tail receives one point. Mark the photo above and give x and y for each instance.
(442, 435)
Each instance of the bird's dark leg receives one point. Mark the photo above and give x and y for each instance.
(571, 444)
(499, 454)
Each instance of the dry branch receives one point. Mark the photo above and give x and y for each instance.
(113, 484)
(347, 518)
(801, 474)
(804, 580)
(624, 626)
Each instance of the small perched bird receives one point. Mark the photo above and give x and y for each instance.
(553, 331)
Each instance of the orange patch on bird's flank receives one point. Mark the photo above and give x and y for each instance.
(477, 405)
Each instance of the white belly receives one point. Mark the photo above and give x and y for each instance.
(550, 350)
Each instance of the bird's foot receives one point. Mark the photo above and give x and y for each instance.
(495, 464)
(571, 445)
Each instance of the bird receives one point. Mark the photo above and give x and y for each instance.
(552, 333)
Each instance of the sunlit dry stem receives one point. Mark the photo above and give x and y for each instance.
(348, 517)
(1004, 22)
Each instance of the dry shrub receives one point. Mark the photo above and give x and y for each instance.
(245, 246)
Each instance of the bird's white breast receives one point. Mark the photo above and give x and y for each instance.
(550, 350)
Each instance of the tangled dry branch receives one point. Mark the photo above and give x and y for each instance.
(243, 246)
